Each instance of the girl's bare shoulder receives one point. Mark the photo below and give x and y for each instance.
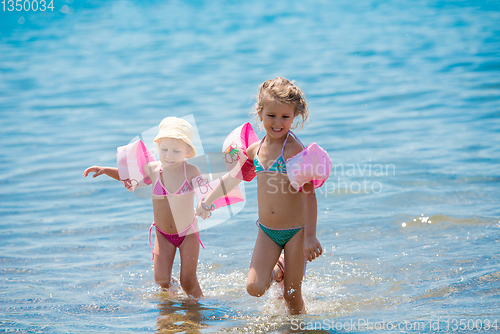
(192, 171)
(153, 170)
(252, 150)
(154, 166)
(292, 148)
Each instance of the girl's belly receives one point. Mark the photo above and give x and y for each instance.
(280, 206)
(174, 213)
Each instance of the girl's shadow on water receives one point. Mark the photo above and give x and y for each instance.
(182, 316)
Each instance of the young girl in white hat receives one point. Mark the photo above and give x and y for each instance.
(173, 196)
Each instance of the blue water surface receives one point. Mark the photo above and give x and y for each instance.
(404, 96)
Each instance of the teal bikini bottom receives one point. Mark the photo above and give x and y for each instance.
(279, 235)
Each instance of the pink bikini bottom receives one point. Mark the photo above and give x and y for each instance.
(175, 239)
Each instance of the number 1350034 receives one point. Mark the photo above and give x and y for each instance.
(27, 5)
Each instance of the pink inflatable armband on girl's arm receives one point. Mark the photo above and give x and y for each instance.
(132, 159)
(233, 150)
(311, 164)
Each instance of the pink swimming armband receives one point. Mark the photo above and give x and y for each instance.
(311, 164)
(234, 152)
(132, 159)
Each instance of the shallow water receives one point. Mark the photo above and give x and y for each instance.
(403, 95)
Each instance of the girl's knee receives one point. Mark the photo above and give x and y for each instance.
(162, 278)
(188, 282)
(163, 282)
(255, 289)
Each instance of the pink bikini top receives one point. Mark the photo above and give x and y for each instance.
(160, 190)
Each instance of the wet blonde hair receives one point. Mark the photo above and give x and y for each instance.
(283, 91)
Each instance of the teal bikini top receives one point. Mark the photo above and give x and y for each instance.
(279, 165)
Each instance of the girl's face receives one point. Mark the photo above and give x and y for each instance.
(277, 118)
(172, 151)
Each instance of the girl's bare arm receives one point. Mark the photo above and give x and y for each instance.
(226, 184)
(312, 247)
(98, 170)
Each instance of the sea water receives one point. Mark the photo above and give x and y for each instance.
(404, 96)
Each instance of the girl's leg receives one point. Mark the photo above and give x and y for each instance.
(265, 255)
(294, 272)
(189, 251)
(164, 261)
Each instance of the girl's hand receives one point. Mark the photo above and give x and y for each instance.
(94, 169)
(312, 248)
(202, 212)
